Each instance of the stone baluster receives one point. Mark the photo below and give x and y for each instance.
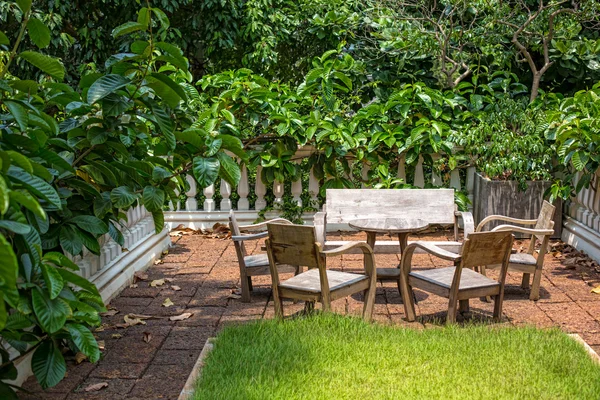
(419, 175)
(402, 167)
(225, 190)
(313, 187)
(364, 173)
(261, 190)
(278, 191)
(470, 184)
(297, 191)
(209, 203)
(174, 205)
(243, 190)
(436, 179)
(191, 204)
(455, 179)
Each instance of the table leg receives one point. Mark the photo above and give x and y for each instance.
(403, 240)
(371, 242)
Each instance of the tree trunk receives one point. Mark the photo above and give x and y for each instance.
(535, 86)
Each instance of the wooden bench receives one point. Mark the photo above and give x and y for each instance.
(435, 206)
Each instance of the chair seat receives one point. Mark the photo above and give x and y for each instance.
(442, 277)
(309, 281)
(522, 259)
(257, 260)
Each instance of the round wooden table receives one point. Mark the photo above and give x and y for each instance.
(399, 226)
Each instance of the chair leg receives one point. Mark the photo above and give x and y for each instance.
(481, 269)
(369, 298)
(407, 299)
(451, 311)
(246, 287)
(463, 305)
(250, 284)
(278, 304)
(525, 281)
(535, 286)
(309, 307)
(498, 308)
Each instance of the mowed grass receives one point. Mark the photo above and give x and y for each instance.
(335, 357)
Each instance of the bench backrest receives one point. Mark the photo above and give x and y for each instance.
(435, 206)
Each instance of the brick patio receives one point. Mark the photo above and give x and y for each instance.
(206, 270)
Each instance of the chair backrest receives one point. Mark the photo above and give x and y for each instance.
(486, 248)
(435, 206)
(293, 245)
(235, 231)
(545, 219)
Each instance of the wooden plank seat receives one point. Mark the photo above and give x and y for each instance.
(297, 245)
(434, 206)
(459, 283)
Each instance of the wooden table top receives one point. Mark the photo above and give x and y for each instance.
(391, 225)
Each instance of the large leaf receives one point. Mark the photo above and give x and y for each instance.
(234, 145)
(79, 281)
(29, 202)
(175, 55)
(90, 224)
(4, 39)
(16, 227)
(126, 28)
(85, 341)
(70, 241)
(54, 280)
(19, 113)
(230, 170)
(205, 170)
(153, 198)
(5, 193)
(20, 160)
(51, 313)
(115, 234)
(170, 83)
(24, 5)
(104, 86)
(122, 197)
(89, 241)
(60, 260)
(159, 221)
(165, 123)
(38, 32)
(48, 364)
(9, 268)
(35, 185)
(49, 65)
(194, 137)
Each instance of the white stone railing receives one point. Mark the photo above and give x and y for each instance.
(582, 220)
(210, 210)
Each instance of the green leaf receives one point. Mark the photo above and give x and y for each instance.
(60, 260)
(4, 39)
(176, 55)
(47, 64)
(39, 33)
(35, 185)
(230, 170)
(144, 16)
(228, 116)
(163, 91)
(24, 5)
(20, 160)
(122, 197)
(19, 113)
(70, 241)
(170, 83)
(79, 281)
(16, 227)
(104, 86)
(205, 170)
(5, 194)
(115, 234)
(18, 320)
(48, 364)
(153, 198)
(51, 313)
(159, 221)
(102, 205)
(162, 17)
(89, 241)
(54, 280)
(85, 341)
(7, 393)
(128, 27)
(90, 224)
(192, 136)
(165, 123)
(55, 159)
(27, 201)
(9, 268)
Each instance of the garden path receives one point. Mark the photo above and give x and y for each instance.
(153, 361)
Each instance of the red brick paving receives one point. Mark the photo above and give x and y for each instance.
(207, 273)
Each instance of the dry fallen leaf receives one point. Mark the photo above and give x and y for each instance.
(95, 387)
(101, 345)
(234, 296)
(181, 317)
(156, 262)
(596, 290)
(140, 276)
(80, 357)
(132, 321)
(175, 288)
(109, 313)
(165, 252)
(157, 282)
(147, 337)
(168, 280)
(167, 303)
(135, 285)
(116, 336)
(124, 249)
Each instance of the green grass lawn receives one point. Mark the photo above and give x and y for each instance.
(335, 357)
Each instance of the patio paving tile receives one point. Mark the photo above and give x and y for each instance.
(206, 270)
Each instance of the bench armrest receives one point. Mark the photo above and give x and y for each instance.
(366, 249)
(255, 236)
(513, 228)
(319, 224)
(434, 250)
(468, 223)
(263, 225)
(505, 219)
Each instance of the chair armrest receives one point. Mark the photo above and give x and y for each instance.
(254, 236)
(366, 249)
(468, 223)
(263, 225)
(506, 219)
(512, 228)
(319, 224)
(434, 250)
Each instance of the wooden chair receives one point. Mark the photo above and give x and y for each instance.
(527, 263)
(297, 245)
(459, 283)
(252, 265)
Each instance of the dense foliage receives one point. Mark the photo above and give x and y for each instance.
(104, 106)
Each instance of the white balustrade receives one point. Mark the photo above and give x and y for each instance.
(191, 204)
(225, 190)
(278, 192)
(313, 187)
(419, 175)
(260, 190)
(402, 168)
(364, 174)
(297, 192)
(209, 203)
(243, 190)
